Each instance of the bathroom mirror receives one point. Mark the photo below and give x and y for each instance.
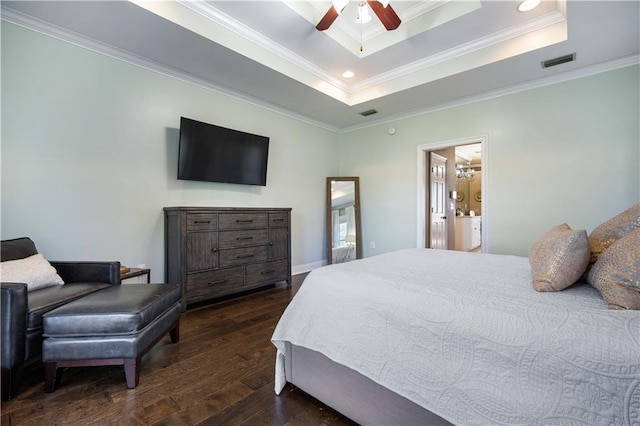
(344, 239)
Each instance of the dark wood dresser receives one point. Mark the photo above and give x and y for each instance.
(218, 251)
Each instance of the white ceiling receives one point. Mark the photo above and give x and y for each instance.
(268, 52)
(471, 153)
(342, 193)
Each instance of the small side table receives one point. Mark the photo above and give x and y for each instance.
(135, 276)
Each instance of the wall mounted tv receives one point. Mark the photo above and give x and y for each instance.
(216, 154)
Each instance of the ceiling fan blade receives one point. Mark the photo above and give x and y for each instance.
(327, 19)
(387, 15)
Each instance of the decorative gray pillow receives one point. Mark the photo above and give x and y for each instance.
(559, 258)
(616, 274)
(35, 271)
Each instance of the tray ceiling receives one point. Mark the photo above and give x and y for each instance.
(269, 52)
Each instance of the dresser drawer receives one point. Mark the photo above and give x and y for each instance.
(235, 239)
(278, 219)
(204, 285)
(241, 256)
(202, 221)
(243, 220)
(260, 273)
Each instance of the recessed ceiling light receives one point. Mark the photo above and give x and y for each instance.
(528, 5)
(348, 74)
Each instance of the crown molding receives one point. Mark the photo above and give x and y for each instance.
(516, 88)
(263, 50)
(415, 20)
(248, 33)
(542, 22)
(12, 16)
(419, 8)
(18, 18)
(207, 26)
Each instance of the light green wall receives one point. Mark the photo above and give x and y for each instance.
(562, 153)
(89, 155)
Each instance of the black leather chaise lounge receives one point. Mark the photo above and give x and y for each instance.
(21, 310)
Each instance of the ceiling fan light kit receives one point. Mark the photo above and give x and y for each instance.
(363, 14)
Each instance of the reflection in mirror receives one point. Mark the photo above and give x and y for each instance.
(344, 241)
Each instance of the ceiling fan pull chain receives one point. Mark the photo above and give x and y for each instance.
(361, 44)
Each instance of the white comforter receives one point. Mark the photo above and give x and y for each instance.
(466, 336)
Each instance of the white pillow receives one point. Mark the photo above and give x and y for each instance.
(34, 270)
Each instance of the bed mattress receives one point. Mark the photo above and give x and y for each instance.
(465, 336)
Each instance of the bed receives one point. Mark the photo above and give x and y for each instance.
(423, 336)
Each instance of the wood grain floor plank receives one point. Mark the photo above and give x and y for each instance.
(221, 372)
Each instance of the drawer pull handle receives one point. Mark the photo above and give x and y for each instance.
(201, 221)
(244, 238)
(278, 220)
(214, 250)
(269, 271)
(246, 256)
(211, 283)
(244, 221)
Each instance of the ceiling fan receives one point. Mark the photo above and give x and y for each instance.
(381, 8)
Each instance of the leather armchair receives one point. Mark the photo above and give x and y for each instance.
(22, 310)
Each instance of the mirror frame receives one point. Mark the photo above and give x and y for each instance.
(356, 194)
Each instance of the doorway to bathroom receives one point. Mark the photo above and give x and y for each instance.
(462, 223)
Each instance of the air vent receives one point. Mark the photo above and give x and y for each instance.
(368, 112)
(557, 61)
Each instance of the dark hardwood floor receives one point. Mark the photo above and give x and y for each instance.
(220, 373)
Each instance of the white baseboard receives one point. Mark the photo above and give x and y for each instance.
(307, 267)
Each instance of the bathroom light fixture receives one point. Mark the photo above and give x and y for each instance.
(348, 74)
(464, 171)
(528, 5)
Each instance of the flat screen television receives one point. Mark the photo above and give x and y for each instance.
(216, 154)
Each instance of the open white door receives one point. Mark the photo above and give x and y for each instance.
(438, 210)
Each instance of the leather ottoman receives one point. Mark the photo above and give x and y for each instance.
(114, 326)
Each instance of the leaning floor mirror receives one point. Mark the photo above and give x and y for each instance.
(344, 239)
